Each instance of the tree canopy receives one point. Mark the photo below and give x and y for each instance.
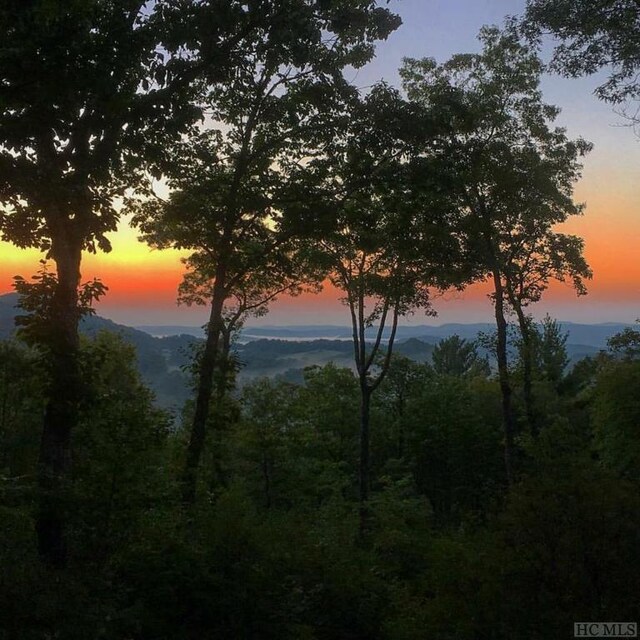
(512, 176)
(594, 35)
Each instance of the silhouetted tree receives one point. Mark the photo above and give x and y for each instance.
(514, 179)
(384, 242)
(551, 351)
(229, 180)
(90, 92)
(626, 343)
(240, 262)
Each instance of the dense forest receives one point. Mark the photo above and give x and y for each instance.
(487, 491)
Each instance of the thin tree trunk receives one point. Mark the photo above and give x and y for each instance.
(527, 383)
(224, 368)
(61, 413)
(205, 387)
(503, 375)
(363, 475)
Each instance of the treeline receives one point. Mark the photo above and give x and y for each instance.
(402, 499)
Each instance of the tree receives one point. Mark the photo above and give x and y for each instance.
(90, 93)
(454, 356)
(514, 175)
(326, 405)
(626, 343)
(230, 180)
(526, 276)
(553, 570)
(120, 466)
(453, 432)
(268, 436)
(21, 404)
(38, 329)
(384, 242)
(240, 262)
(595, 35)
(379, 288)
(403, 378)
(551, 356)
(616, 412)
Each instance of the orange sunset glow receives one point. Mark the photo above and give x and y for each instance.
(143, 282)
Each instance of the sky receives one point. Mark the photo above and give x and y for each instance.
(142, 282)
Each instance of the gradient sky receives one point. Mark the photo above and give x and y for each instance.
(142, 283)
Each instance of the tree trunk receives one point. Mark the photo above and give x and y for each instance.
(527, 383)
(503, 375)
(61, 413)
(205, 387)
(224, 366)
(363, 476)
(219, 478)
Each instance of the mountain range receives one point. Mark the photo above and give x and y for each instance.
(592, 336)
(164, 351)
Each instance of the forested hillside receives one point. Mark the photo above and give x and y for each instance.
(276, 547)
(380, 486)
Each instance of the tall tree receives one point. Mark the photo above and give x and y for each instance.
(90, 93)
(240, 261)
(526, 276)
(514, 175)
(551, 351)
(384, 241)
(265, 115)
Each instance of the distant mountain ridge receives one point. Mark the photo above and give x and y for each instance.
(586, 335)
(159, 359)
(284, 351)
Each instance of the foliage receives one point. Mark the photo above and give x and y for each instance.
(37, 298)
(88, 99)
(558, 530)
(21, 405)
(454, 445)
(118, 473)
(382, 237)
(594, 35)
(510, 174)
(514, 171)
(231, 182)
(293, 177)
(551, 352)
(90, 95)
(228, 181)
(456, 357)
(297, 445)
(616, 415)
(448, 553)
(119, 452)
(626, 344)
